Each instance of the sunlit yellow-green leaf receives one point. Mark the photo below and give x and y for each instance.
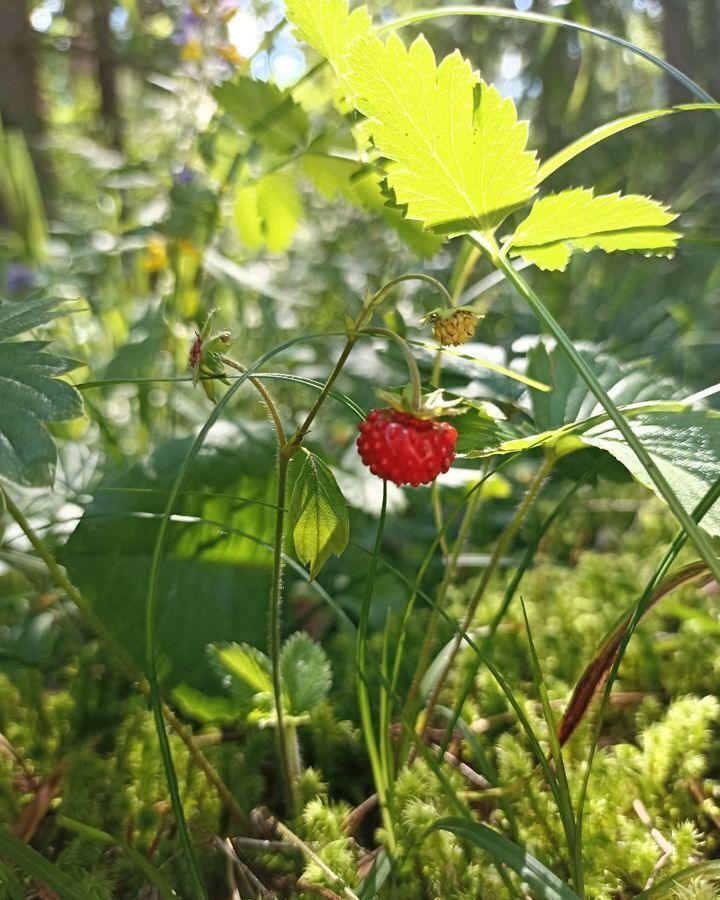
(318, 515)
(577, 220)
(328, 26)
(268, 212)
(455, 149)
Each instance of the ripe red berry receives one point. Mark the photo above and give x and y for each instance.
(404, 449)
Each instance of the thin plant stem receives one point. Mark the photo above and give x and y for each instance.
(501, 546)
(379, 773)
(431, 630)
(415, 381)
(413, 276)
(285, 735)
(275, 638)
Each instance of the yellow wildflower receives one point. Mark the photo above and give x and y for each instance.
(156, 255)
(191, 51)
(229, 52)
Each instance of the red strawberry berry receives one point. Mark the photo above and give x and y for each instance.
(404, 449)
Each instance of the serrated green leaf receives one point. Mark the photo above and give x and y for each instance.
(318, 515)
(265, 113)
(246, 664)
(455, 149)
(305, 670)
(328, 26)
(541, 881)
(683, 442)
(685, 446)
(268, 212)
(30, 395)
(577, 220)
(16, 319)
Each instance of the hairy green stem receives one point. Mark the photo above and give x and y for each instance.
(379, 773)
(697, 535)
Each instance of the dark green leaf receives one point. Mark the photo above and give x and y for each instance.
(214, 582)
(30, 395)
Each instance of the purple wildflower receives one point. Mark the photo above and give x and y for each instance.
(186, 175)
(18, 278)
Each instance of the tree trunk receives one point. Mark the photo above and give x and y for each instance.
(19, 98)
(678, 46)
(107, 72)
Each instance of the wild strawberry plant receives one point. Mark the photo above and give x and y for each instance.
(442, 156)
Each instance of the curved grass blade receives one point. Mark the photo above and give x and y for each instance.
(540, 18)
(483, 363)
(709, 869)
(30, 861)
(598, 668)
(603, 132)
(675, 547)
(541, 881)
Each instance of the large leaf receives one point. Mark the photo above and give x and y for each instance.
(456, 151)
(318, 515)
(577, 220)
(684, 442)
(214, 582)
(31, 394)
(542, 882)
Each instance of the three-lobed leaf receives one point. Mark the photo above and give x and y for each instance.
(576, 219)
(318, 515)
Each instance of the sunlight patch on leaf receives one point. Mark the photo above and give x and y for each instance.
(455, 149)
(268, 212)
(328, 26)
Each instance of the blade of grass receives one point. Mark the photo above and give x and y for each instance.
(539, 18)
(30, 861)
(668, 558)
(538, 877)
(564, 799)
(366, 719)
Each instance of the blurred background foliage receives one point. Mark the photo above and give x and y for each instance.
(152, 169)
